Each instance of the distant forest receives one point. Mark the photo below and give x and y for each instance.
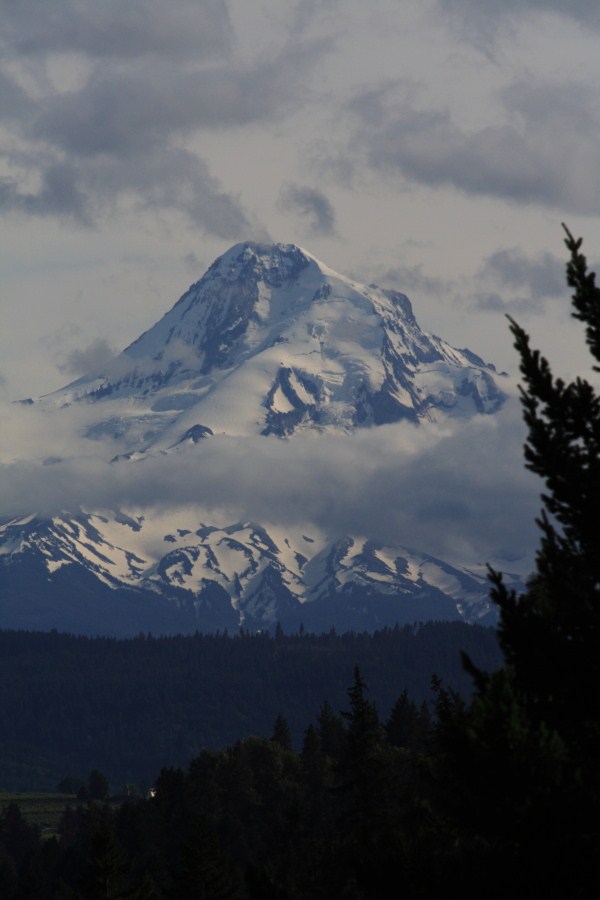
(69, 704)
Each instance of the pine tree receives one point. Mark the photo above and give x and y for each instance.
(551, 635)
(107, 867)
(314, 762)
(520, 763)
(367, 800)
(203, 873)
(403, 726)
(97, 785)
(331, 732)
(364, 732)
(281, 733)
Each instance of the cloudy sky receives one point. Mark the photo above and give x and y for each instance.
(430, 145)
(433, 146)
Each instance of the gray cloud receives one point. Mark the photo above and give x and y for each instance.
(164, 178)
(15, 101)
(460, 490)
(493, 302)
(317, 14)
(126, 108)
(310, 203)
(59, 194)
(413, 278)
(116, 29)
(484, 13)
(543, 276)
(521, 283)
(172, 178)
(154, 74)
(92, 358)
(530, 158)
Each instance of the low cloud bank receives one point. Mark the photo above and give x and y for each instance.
(457, 490)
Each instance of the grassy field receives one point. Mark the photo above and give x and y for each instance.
(40, 809)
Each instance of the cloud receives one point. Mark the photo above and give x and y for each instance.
(493, 302)
(310, 203)
(526, 282)
(15, 101)
(484, 14)
(124, 108)
(93, 358)
(123, 124)
(460, 490)
(413, 278)
(546, 150)
(162, 178)
(543, 275)
(115, 29)
(61, 193)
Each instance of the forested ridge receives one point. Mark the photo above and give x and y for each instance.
(128, 707)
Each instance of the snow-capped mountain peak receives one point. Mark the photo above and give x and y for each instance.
(272, 341)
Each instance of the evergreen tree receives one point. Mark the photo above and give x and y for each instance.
(551, 635)
(331, 732)
(367, 802)
(97, 786)
(69, 785)
(18, 837)
(364, 732)
(203, 874)
(314, 763)
(407, 725)
(107, 868)
(8, 874)
(520, 763)
(281, 733)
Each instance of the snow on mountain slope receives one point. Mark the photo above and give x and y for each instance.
(271, 341)
(262, 575)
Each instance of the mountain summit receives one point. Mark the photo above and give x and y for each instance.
(272, 341)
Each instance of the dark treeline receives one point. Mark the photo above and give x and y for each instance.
(364, 810)
(128, 707)
(256, 820)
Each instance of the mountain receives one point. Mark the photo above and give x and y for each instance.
(269, 345)
(92, 573)
(271, 341)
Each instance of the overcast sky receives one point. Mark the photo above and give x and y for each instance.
(433, 146)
